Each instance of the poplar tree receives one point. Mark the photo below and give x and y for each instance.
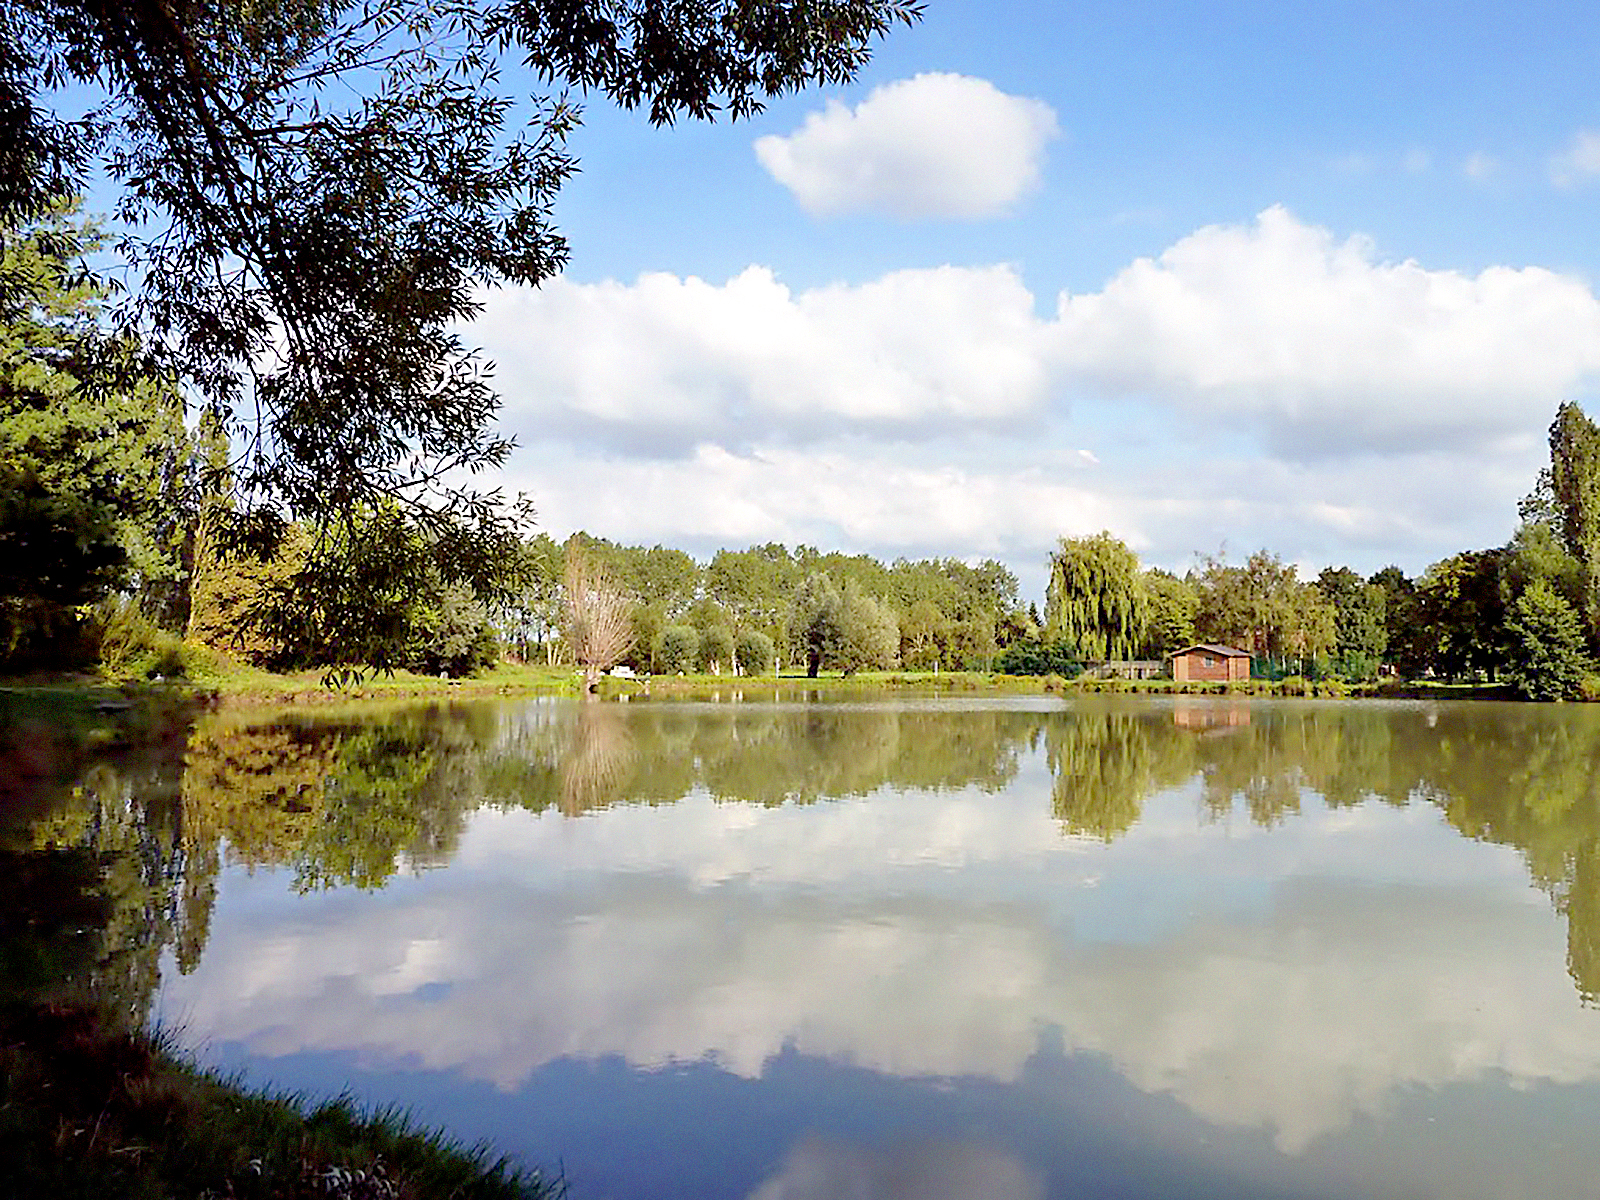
(1575, 492)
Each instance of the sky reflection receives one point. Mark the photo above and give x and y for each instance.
(1281, 1009)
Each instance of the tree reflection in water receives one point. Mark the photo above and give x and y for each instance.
(1515, 775)
(96, 880)
(104, 871)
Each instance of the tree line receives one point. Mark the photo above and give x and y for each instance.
(1101, 605)
(122, 536)
(1527, 612)
(764, 607)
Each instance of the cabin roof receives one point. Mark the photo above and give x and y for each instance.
(1212, 648)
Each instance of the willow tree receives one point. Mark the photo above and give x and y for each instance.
(814, 622)
(846, 628)
(1096, 601)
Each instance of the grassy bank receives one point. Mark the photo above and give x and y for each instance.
(231, 683)
(87, 1112)
(210, 679)
(1295, 686)
(93, 709)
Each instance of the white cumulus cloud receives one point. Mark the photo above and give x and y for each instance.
(661, 364)
(1275, 328)
(1323, 349)
(945, 410)
(935, 145)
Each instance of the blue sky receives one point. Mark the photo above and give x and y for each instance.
(1237, 275)
(1171, 120)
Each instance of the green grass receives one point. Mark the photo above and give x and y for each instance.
(238, 683)
(230, 682)
(87, 1112)
(213, 677)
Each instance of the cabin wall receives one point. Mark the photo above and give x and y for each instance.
(1223, 668)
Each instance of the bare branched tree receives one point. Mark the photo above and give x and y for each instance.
(599, 628)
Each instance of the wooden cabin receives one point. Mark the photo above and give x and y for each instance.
(1211, 663)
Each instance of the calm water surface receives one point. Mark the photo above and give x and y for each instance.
(780, 947)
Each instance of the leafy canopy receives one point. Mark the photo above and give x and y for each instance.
(316, 190)
(88, 475)
(1095, 600)
(1546, 635)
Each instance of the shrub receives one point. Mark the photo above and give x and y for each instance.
(754, 652)
(680, 645)
(1037, 657)
(130, 644)
(716, 649)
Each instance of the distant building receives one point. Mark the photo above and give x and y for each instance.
(1211, 663)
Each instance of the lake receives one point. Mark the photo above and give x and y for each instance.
(783, 945)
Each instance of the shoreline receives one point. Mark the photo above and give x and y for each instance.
(96, 710)
(94, 1111)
